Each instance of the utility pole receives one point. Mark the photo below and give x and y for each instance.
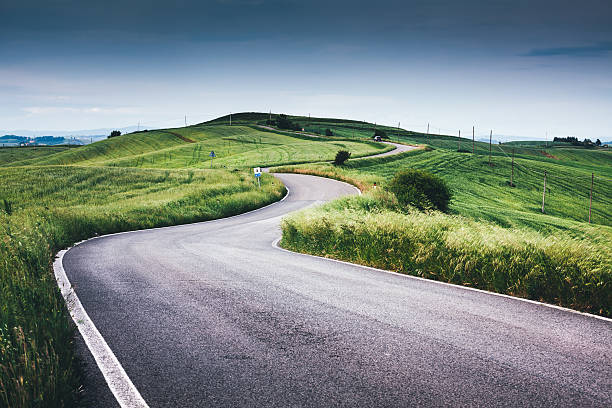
(473, 142)
(270, 120)
(230, 118)
(512, 174)
(459, 147)
(427, 134)
(398, 131)
(591, 195)
(490, 137)
(544, 192)
(185, 120)
(139, 126)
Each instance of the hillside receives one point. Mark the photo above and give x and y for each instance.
(234, 146)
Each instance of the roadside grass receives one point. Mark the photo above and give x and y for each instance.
(54, 206)
(495, 238)
(372, 230)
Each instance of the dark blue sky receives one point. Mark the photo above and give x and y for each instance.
(520, 67)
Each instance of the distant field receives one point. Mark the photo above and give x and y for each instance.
(14, 155)
(234, 147)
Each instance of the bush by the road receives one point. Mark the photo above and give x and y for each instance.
(420, 189)
(341, 157)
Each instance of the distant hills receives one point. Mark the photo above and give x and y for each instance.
(14, 140)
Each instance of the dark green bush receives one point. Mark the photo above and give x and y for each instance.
(341, 157)
(381, 133)
(420, 189)
(328, 132)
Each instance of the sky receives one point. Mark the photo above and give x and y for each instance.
(525, 69)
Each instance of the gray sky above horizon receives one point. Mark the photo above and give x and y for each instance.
(521, 68)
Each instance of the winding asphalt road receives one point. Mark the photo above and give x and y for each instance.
(211, 314)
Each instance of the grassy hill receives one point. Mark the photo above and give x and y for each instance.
(234, 146)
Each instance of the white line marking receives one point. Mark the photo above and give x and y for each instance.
(117, 379)
(535, 302)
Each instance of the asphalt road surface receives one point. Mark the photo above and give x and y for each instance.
(211, 314)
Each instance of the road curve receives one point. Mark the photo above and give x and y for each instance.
(211, 314)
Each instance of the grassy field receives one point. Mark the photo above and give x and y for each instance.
(11, 155)
(495, 237)
(44, 209)
(234, 147)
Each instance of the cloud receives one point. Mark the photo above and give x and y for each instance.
(598, 50)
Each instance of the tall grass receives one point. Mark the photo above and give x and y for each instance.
(52, 208)
(371, 230)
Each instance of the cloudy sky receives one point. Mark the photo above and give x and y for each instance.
(520, 67)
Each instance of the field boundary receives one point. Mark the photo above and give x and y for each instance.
(276, 245)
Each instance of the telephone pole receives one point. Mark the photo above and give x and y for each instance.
(473, 142)
(544, 192)
(459, 147)
(490, 137)
(591, 195)
(230, 119)
(185, 120)
(427, 134)
(398, 131)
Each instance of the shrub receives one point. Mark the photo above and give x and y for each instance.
(420, 189)
(381, 133)
(328, 132)
(341, 157)
(283, 122)
(114, 133)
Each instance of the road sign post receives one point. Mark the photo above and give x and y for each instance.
(257, 172)
(212, 156)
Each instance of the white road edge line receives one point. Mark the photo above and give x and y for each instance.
(403, 275)
(117, 379)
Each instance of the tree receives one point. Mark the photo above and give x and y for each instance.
(328, 132)
(341, 157)
(381, 133)
(598, 142)
(114, 133)
(420, 189)
(283, 122)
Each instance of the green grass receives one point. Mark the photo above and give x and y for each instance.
(51, 208)
(234, 146)
(495, 237)
(15, 155)
(372, 230)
